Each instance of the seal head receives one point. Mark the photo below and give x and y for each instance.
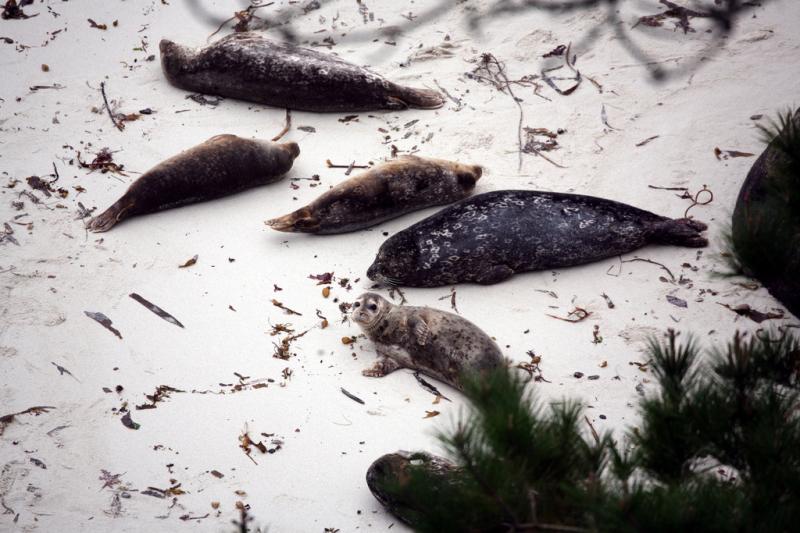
(369, 310)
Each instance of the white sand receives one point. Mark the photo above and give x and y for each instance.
(316, 480)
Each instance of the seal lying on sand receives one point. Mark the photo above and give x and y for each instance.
(406, 184)
(490, 237)
(439, 344)
(765, 231)
(249, 67)
(222, 165)
(393, 470)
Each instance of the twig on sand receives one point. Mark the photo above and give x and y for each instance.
(668, 271)
(286, 127)
(118, 125)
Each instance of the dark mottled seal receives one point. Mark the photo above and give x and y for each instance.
(441, 345)
(406, 184)
(222, 165)
(490, 237)
(388, 475)
(249, 67)
(765, 231)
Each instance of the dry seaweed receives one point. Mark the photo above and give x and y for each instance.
(13, 10)
(128, 423)
(279, 305)
(753, 314)
(576, 315)
(36, 411)
(155, 309)
(429, 387)
(189, 262)
(161, 393)
(682, 14)
(103, 161)
(282, 349)
(351, 396)
(104, 321)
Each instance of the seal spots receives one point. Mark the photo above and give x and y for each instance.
(222, 165)
(249, 67)
(439, 344)
(490, 237)
(387, 191)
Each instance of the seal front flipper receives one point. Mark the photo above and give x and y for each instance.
(406, 97)
(420, 329)
(494, 274)
(382, 367)
(680, 232)
(109, 218)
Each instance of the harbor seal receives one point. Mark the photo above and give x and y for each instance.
(388, 476)
(406, 184)
(765, 228)
(250, 67)
(220, 166)
(489, 237)
(439, 344)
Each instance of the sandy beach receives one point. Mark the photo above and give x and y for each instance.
(621, 135)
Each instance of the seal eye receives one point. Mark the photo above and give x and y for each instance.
(357, 304)
(372, 307)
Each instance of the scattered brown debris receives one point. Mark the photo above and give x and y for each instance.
(13, 10)
(452, 297)
(753, 314)
(576, 315)
(322, 279)
(157, 310)
(668, 271)
(348, 340)
(38, 184)
(189, 262)
(128, 423)
(682, 14)
(725, 154)
(279, 305)
(568, 62)
(162, 392)
(557, 51)
(36, 411)
(654, 137)
(696, 199)
(246, 442)
(596, 337)
(103, 161)
(431, 414)
(607, 298)
(93, 24)
(540, 140)
(351, 396)
(282, 350)
(532, 367)
(104, 321)
(326, 291)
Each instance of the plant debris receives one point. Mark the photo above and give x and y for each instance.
(189, 262)
(62, 371)
(351, 396)
(577, 78)
(282, 350)
(429, 387)
(13, 10)
(36, 411)
(279, 305)
(104, 321)
(540, 140)
(674, 300)
(607, 298)
(246, 442)
(642, 143)
(109, 480)
(103, 161)
(322, 279)
(725, 154)
(202, 99)
(162, 392)
(682, 14)
(576, 315)
(431, 414)
(155, 309)
(753, 314)
(128, 423)
(286, 126)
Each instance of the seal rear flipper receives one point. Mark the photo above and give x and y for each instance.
(679, 232)
(109, 218)
(302, 220)
(406, 97)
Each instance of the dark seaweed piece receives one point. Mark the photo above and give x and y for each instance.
(104, 321)
(157, 310)
(352, 396)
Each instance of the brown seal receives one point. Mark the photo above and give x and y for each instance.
(436, 343)
(249, 67)
(406, 184)
(222, 165)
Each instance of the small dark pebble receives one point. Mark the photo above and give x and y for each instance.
(578, 375)
(602, 417)
(593, 377)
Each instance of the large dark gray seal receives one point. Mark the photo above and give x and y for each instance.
(439, 344)
(492, 236)
(220, 166)
(765, 228)
(406, 184)
(249, 67)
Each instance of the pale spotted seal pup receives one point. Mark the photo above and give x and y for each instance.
(439, 344)
(490, 237)
(406, 184)
(222, 165)
(250, 67)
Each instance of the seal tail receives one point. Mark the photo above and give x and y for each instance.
(301, 221)
(680, 232)
(417, 98)
(111, 216)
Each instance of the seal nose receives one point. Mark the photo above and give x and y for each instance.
(165, 45)
(293, 149)
(478, 171)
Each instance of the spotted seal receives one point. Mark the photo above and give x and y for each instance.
(406, 184)
(388, 475)
(490, 237)
(220, 166)
(439, 344)
(250, 67)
